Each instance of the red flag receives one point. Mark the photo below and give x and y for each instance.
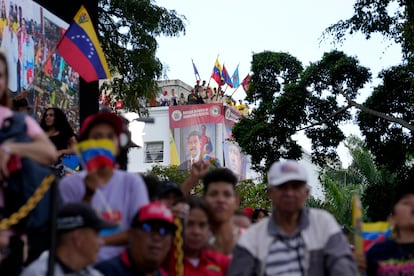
(246, 83)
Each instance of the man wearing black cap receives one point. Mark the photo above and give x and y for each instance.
(78, 242)
(150, 239)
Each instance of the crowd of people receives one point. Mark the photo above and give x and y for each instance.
(111, 222)
(201, 93)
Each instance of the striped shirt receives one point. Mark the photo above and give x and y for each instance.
(286, 256)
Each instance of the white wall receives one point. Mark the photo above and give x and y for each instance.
(158, 131)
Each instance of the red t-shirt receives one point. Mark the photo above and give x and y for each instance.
(210, 263)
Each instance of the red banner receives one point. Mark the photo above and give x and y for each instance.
(195, 114)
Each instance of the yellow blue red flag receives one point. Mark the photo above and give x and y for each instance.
(217, 73)
(95, 154)
(80, 48)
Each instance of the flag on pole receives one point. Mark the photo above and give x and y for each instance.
(357, 223)
(226, 77)
(174, 159)
(80, 48)
(196, 74)
(246, 83)
(217, 72)
(235, 78)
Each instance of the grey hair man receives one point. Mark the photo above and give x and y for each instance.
(295, 240)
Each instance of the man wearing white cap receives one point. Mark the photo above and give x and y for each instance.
(295, 240)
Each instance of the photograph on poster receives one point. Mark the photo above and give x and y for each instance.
(197, 142)
(29, 35)
(235, 160)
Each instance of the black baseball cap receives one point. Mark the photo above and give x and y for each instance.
(72, 216)
(169, 186)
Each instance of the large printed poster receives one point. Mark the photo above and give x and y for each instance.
(29, 35)
(194, 129)
(234, 159)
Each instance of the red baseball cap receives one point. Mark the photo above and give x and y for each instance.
(248, 211)
(102, 117)
(154, 211)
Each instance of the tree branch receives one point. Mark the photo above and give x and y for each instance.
(389, 118)
(327, 118)
(368, 110)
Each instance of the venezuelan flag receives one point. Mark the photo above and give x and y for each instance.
(374, 232)
(80, 48)
(97, 153)
(217, 71)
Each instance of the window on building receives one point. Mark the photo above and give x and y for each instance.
(154, 152)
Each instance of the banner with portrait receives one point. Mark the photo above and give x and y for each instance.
(234, 158)
(194, 129)
(28, 35)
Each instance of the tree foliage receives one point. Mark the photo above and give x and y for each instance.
(128, 30)
(390, 142)
(253, 195)
(388, 124)
(390, 18)
(291, 98)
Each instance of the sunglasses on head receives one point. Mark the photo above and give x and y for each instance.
(161, 230)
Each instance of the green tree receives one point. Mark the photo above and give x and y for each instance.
(253, 195)
(128, 30)
(391, 18)
(170, 173)
(291, 99)
(385, 118)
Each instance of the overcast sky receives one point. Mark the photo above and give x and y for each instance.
(235, 29)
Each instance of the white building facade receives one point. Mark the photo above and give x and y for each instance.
(156, 143)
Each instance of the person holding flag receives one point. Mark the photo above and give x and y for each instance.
(396, 256)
